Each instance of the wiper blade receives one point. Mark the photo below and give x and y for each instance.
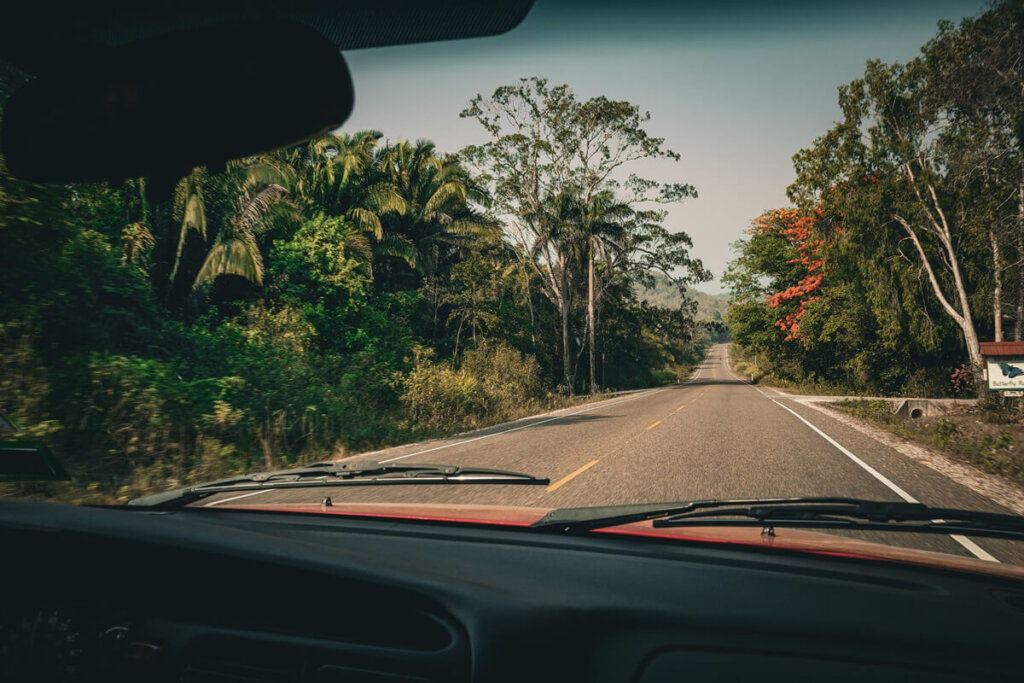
(848, 513)
(832, 513)
(357, 473)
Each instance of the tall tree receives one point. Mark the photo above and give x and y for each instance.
(438, 206)
(976, 77)
(888, 134)
(544, 145)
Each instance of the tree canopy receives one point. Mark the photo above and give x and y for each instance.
(911, 211)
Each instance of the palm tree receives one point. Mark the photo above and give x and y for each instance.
(252, 190)
(435, 214)
(337, 176)
(575, 233)
(601, 230)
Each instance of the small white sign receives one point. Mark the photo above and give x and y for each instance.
(1005, 372)
(1013, 394)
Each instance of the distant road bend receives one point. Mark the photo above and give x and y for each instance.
(713, 436)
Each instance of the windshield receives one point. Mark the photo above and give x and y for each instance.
(648, 253)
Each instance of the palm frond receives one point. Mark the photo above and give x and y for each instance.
(231, 256)
(194, 215)
(366, 221)
(359, 243)
(473, 227)
(444, 193)
(384, 198)
(252, 208)
(268, 172)
(398, 246)
(193, 218)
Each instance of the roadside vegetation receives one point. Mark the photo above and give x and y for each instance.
(340, 295)
(748, 365)
(988, 436)
(904, 244)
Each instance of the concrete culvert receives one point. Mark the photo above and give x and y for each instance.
(916, 408)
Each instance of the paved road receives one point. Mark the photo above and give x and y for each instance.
(714, 436)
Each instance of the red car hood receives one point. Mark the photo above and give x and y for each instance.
(788, 539)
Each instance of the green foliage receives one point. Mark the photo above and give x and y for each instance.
(551, 163)
(945, 431)
(871, 410)
(334, 296)
(494, 382)
(957, 436)
(916, 193)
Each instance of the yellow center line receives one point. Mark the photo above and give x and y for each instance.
(564, 480)
(680, 407)
(654, 425)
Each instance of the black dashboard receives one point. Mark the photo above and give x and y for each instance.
(228, 595)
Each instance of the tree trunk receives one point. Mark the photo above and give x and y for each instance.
(1018, 325)
(967, 321)
(590, 321)
(266, 447)
(533, 323)
(997, 293)
(962, 317)
(566, 353)
(458, 336)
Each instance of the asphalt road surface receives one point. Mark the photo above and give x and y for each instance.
(713, 436)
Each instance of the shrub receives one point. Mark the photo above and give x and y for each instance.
(963, 380)
(873, 410)
(660, 377)
(437, 396)
(510, 381)
(945, 431)
(494, 382)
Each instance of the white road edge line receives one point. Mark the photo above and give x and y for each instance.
(967, 543)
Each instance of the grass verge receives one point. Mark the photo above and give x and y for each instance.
(964, 435)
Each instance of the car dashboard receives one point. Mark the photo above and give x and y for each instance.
(231, 595)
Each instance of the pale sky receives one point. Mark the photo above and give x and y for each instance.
(735, 88)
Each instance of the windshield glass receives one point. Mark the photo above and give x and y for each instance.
(647, 252)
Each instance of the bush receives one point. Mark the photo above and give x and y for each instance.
(437, 396)
(748, 371)
(945, 431)
(510, 381)
(494, 382)
(872, 410)
(661, 377)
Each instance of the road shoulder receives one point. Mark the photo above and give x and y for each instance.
(991, 486)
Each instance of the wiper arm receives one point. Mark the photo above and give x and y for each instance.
(833, 513)
(358, 473)
(847, 513)
(573, 520)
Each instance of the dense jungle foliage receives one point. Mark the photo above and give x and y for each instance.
(339, 295)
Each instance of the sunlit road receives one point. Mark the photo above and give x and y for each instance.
(714, 436)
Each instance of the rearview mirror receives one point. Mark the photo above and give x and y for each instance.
(160, 107)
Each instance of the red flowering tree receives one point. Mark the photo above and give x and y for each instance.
(802, 232)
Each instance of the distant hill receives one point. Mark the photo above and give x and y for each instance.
(666, 294)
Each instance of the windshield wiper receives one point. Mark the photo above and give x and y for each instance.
(768, 513)
(359, 473)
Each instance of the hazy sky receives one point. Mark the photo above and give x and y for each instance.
(736, 88)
